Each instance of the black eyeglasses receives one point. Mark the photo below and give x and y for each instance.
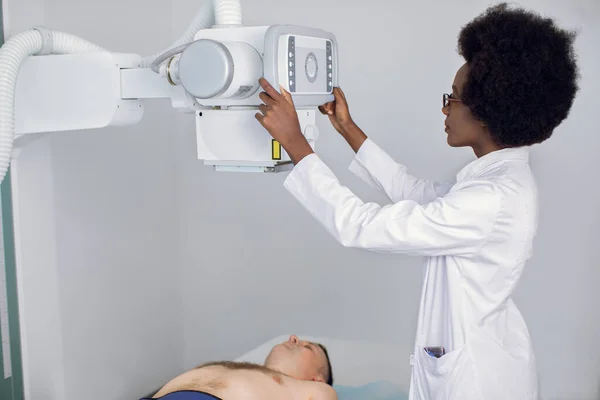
(447, 98)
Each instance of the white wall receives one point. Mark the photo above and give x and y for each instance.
(160, 263)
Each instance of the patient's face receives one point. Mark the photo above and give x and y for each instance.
(299, 359)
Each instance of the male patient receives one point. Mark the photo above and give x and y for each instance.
(294, 370)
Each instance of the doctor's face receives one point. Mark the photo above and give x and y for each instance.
(461, 126)
(299, 359)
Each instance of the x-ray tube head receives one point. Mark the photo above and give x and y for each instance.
(210, 69)
(301, 60)
(221, 68)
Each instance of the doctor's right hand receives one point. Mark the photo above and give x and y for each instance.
(339, 115)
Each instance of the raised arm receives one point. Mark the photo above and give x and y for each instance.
(456, 224)
(378, 169)
(374, 165)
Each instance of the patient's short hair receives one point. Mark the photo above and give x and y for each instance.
(329, 371)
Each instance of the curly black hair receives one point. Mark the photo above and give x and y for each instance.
(523, 74)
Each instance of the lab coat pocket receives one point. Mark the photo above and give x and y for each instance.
(444, 378)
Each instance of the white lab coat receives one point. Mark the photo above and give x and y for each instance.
(476, 234)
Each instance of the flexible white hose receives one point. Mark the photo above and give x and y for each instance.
(204, 19)
(227, 13)
(65, 43)
(12, 55)
(155, 66)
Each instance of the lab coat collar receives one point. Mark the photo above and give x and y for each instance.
(477, 166)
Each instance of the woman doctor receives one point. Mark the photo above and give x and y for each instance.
(517, 85)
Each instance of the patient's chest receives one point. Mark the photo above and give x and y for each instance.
(248, 385)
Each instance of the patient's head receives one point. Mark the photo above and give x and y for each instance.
(301, 360)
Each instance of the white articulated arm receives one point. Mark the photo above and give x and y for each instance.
(40, 42)
(12, 55)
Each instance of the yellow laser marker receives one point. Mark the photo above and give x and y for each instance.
(275, 150)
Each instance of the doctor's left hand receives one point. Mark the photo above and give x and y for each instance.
(279, 117)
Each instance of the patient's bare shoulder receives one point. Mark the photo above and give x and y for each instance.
(321, 391)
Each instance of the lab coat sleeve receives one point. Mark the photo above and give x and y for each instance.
(456, 224)
(378, 169)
